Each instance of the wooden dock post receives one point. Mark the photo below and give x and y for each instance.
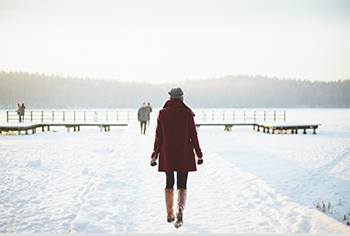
(7, 116)
(254, 117)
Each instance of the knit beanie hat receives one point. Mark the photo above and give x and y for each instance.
(176, 93)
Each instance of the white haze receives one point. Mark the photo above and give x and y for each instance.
(158, 41)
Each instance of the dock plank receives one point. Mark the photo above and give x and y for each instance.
(19, 127)
(266, 126)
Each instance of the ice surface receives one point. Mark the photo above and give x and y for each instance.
(34, 163)
(250, 182)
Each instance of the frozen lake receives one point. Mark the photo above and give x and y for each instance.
(250, 182)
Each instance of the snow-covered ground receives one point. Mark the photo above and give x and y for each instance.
(250, 182)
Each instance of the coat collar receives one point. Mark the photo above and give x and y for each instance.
(176, 103)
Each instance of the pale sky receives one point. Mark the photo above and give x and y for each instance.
(172, 40)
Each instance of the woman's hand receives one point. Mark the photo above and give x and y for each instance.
(153, 161)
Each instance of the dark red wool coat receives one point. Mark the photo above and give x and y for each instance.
(176, 137)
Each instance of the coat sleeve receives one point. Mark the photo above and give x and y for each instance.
(194, 137)
(158, 138)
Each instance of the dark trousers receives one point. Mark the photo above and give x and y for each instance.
(181, 180)
(143, 124)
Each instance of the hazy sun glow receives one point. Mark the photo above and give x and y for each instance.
(167, 40)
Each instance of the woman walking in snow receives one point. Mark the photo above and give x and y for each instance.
(175, 139)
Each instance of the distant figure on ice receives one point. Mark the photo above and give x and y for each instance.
(21, 110)
(95, 117)
(143, 117)
(204, 117)
(150, 111)
(175, 139)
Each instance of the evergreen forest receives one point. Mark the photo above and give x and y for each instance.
(40, 91)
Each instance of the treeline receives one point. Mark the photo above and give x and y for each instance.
(39, 91)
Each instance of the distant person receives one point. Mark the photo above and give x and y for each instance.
(21, 110)
(204, 117)
(95, 117)
(143, 116)
(150, 111)
(175, 139)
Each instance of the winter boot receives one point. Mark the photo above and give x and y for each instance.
(169, 202)
(181, 202)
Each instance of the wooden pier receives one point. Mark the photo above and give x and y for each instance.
(31, 128)
(265, 128)
(126, 116)
(285, 127)
(71, 116)
(270, 122)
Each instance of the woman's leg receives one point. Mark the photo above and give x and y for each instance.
(169, 196)
(169, 180)
(182, 180)
(181, 198)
